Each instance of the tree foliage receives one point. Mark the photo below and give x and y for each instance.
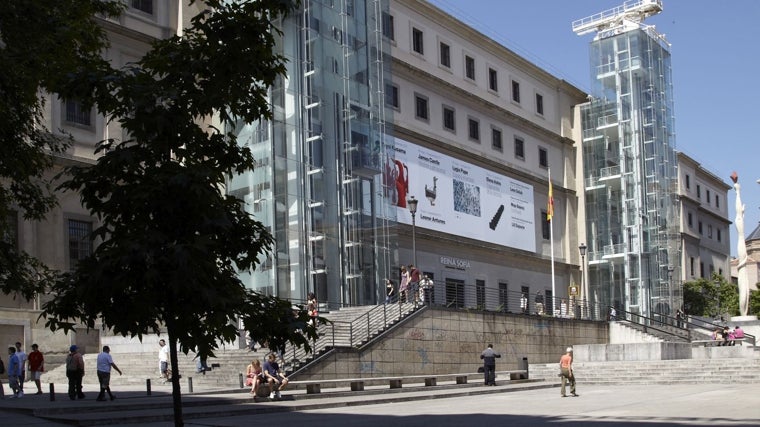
(41, 43)
(172, 241)
(711, 297)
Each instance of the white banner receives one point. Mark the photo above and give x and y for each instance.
(459, 198)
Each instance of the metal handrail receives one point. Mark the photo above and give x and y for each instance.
(704, 324)
(660, 324)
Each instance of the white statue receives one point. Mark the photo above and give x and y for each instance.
(741, 250)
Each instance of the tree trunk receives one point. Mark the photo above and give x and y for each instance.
(176, 392)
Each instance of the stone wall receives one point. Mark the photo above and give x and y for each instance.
(441, 341)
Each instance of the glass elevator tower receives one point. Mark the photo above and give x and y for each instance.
(629, 163)
(317, 183)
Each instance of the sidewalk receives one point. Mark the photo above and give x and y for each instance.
(524, 404)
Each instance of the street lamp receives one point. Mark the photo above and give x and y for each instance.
(670, 290)
(412, 203)
(582, 248)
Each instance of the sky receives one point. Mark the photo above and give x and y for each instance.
(715, 48)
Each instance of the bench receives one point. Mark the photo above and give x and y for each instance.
(716, 343)
(357, 384)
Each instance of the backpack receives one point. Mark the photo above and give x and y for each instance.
(2, 367)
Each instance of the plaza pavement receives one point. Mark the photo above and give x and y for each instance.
(507, 405)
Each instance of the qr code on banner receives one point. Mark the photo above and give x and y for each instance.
(466, 198)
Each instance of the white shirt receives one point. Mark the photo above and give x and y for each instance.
(21, 359)
(163, 354)
(104, 362)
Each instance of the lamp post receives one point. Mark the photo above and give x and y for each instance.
(582, 248)
(412, 203)
(670, 287)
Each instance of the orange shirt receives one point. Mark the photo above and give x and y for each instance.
(566, 361)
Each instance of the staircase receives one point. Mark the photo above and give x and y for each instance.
(662, 372)
(349, 327)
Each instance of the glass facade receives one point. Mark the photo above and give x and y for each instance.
(630, 178)
(317, 185)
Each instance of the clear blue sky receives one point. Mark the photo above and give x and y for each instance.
(715, 49)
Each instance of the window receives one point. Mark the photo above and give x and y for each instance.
(493, 80)
(454, 293)
(689, 221)
(480, 294)
(391, 95)
(496, 139)
(143, 6)
(707, 194)
(10, 235)
(543, 157)
(449, 121)
(719, 236)
(709, 231)
(417, 41)
(701, 269)
(515, 91)
(717, 201)
(688, 182)
(699, 191)
(469, 67)
(473, 129)
(540, 104)
(545, 224)
(699, 227)
(421, 107)
(503, 297)
(80, 243)
(691, 266)
(445, 55)
(77, 114)
(519, 148)
(388, 30)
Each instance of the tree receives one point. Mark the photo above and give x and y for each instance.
(711, 297)
(173, 241)
(65, 38)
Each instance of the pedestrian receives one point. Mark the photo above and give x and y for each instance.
(254, 376)
(312, 307)
(489, 365)
(389, 291)
(566, 371)
(75, 373)
(22, 360)
(539, 301)
(524, 303)
(414, 284)
(36, 366)
(163, 360)
(104, 365)
(403, 287)
(426, 290)
(276, 379)
(14, 372)
(613, 314)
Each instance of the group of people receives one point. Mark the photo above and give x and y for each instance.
(727, 336)
(414, 287)
(269, 373)
(19, 362)
(489, 356)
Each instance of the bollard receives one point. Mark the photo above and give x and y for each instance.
(147, 385)
(241, 380)
(52, 392)
(190, 384)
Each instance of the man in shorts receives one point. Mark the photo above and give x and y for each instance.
(36, 366)
(163, 360)
(276, 379)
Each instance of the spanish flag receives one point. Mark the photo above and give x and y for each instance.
(550, 205)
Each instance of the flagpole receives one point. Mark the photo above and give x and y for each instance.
(551, 238)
